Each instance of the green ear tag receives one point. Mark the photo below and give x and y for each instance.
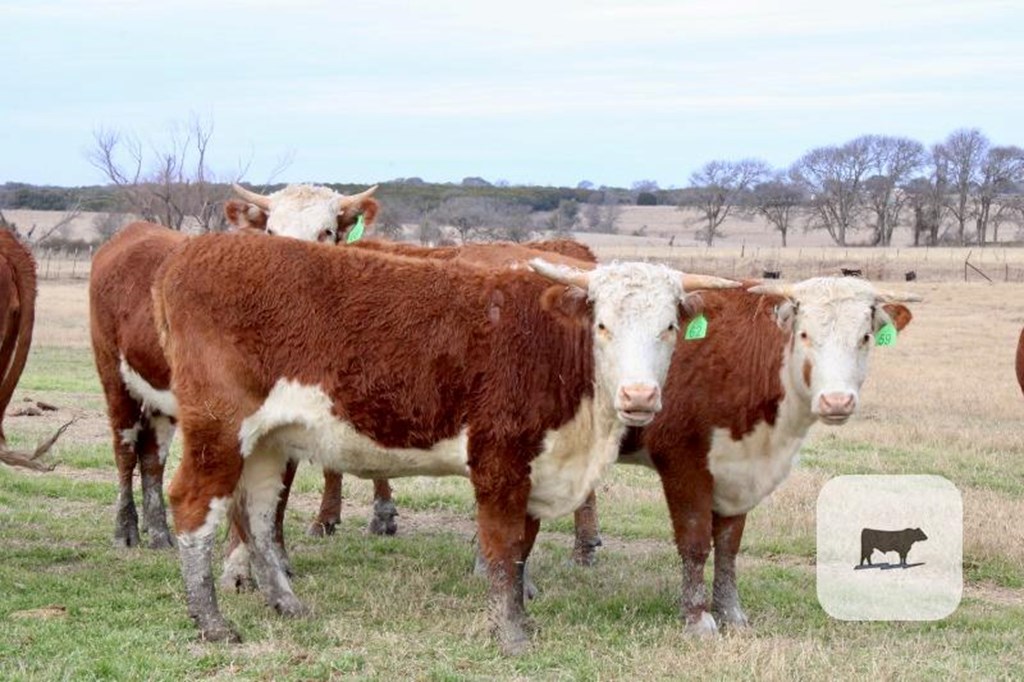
(697, 329)
(356, 233)
(886, 336)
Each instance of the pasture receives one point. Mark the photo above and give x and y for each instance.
(943, 400)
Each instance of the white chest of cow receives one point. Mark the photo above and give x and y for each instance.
(297, 420)
(748, 470)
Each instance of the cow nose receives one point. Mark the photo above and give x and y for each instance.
(639, 398)
(837, 404)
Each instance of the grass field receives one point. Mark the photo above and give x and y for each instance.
(942, 401)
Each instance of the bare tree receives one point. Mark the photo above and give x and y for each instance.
(171, 183)
(1001, 170)
(717, 187)
(962, 155)
(833, 177)
(565, 218)
(895, 159)
(777, 200)
(601, 213)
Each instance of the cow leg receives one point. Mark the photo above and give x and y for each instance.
(200, 493)
(259, 492)
(725, 601)
(688, 493)
(153, 445)
(126, 422)
(236, 576)
(384, 511)
(587, 537)
(505, 539)
(330, 506)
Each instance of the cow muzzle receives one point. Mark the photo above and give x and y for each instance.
(835, 408)
(637, 404)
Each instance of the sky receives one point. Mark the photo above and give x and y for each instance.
(548, 92)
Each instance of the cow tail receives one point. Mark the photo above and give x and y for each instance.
(15, 346)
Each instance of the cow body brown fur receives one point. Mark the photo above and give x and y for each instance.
(410, 352)
(121, 326)
(17, 319)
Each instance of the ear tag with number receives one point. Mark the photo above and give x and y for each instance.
(886, 336)
(356, 233)
(697, 329)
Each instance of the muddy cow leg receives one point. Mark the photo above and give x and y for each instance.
(199, 494)
(237, 574)
(688, 491)
(725, 604)
(587, 537)
(385, 514)
(502, 490)
(326, 522)
(153, 445)
(127, 423)
(259, 491)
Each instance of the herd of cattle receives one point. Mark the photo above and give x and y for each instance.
(529, 369)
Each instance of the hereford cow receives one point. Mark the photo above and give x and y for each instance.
(236, 574)
(378, 364)
(738, 404)
(17, 318)
(130, 362)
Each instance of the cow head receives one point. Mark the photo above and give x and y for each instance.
(633, 310)
(831, 322)
(304, 212)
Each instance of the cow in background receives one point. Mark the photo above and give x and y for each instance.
(739, 403)
(380, 364)
(129, 360)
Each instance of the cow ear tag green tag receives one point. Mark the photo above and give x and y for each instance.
(356, 233)
(886, 336)
(697, 329)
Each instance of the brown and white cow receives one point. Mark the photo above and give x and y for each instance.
(738, 405)
(129, 360)
(376, 365)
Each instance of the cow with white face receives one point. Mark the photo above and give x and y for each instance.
(307, 212)
(739, 403)
(383, 366)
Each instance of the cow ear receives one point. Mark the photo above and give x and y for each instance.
(243, 215)
(785, 314)
(899, 314)
(690, 306)
(368, 208)
(568, 304)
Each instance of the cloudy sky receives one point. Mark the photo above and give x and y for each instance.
(551, 92)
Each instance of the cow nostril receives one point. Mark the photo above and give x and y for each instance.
(639, 396)
(837, 403)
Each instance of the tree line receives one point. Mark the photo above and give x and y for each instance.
(958, 191)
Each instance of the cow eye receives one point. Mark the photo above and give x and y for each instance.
(601, 327)
(803, 336)
(865, 339)
(673, 327)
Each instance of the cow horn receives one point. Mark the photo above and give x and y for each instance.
(252, 197)
(692, 282)
(356, 199)
(896, 297)
(561, 273)
(772, 289)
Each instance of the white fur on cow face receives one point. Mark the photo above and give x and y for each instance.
(833, 324)
(305, 212)
(636, 320)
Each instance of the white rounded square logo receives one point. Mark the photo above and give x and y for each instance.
(890, 547)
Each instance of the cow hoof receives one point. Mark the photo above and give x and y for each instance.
(220, 633)
(291, 607)
(530, 590)
(704, 626)
(733, 620)
(383, 521)
(161, 541)
(321, 529)
(127, 537)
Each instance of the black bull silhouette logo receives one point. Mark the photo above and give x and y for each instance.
(898, 541)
